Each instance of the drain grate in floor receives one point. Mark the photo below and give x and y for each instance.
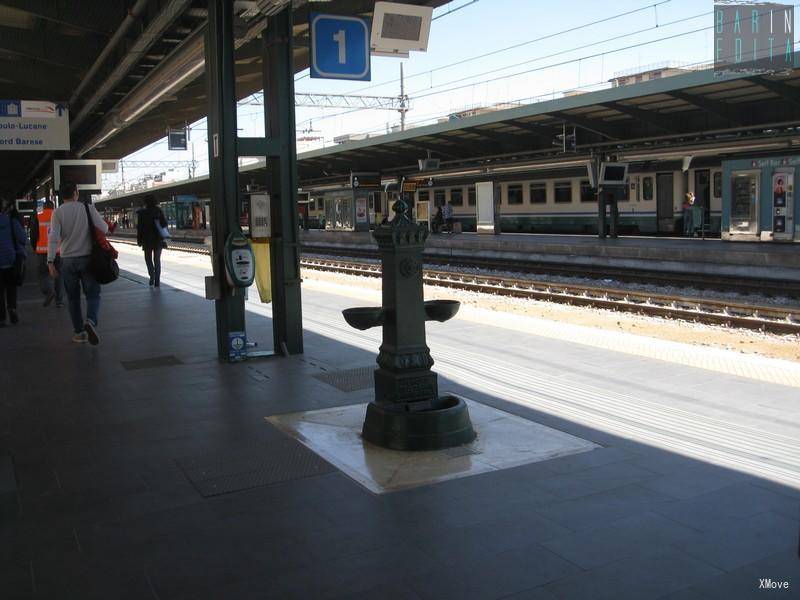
(217, 475)
(152, 363)
(349, 380)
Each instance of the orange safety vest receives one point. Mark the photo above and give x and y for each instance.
(44, 230)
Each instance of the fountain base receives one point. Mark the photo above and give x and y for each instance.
(433, 425)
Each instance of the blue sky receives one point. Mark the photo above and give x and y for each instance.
(585, 58)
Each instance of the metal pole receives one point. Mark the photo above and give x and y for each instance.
(223, 164)
(402, 100)
(287, 318)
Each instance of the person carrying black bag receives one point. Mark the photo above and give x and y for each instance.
(12, 266)
(73, 226)
(149, 235)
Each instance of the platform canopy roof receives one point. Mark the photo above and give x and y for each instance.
(686, 110)
(694, 114)
(127, 69)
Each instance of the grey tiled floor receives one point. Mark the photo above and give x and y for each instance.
(103, 507)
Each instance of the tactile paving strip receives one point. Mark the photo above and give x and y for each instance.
(216, 475)
(349, 380)
(152, 363)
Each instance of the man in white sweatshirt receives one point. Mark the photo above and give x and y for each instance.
(71, 228)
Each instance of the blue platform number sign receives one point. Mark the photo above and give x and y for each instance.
(339, 47)
(237, 346)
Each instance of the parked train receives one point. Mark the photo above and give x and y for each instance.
(562, 202)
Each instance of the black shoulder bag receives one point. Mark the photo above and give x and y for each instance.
(101, 262)
(18, 273)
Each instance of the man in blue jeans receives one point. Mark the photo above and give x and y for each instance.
(71, 228)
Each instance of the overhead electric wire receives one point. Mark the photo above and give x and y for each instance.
(518, 45)
(532, 99)
(552, 65)
(566, 62)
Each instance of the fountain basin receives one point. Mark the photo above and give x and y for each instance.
(441, 310)
(364, 317)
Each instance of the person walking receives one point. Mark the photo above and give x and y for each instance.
(52, 288)
(12, 246)
(150, 223)
(71, 227)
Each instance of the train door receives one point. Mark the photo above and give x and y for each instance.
(744, 202)
(702, 194)
(665, 212)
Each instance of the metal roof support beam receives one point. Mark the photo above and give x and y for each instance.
(544, 133)
(280, 124)
(506, 139)
(721, 109)
(646, 116)
(472, 144)
(223, 165)
(601, 129)
(446, 151)
(786, 92)
(62, 12)
(155, 29)
(49, 48)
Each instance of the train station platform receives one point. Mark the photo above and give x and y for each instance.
(143, 468)
(692, 256)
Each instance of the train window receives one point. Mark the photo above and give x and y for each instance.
(647, 188)
(320, 203)
(515, 193)
(423, 195)
(439, 197)
(563, 192)
(587, 193)
(457, 197)
(538, 190)
(471, 201)
(718, 184)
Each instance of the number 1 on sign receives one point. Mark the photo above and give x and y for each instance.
(339, 38)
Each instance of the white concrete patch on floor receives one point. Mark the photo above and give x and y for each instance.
(504, 441)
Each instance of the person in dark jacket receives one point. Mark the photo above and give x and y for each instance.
(150, 222)
(12, 245)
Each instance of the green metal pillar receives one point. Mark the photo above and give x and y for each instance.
(223, 163)
(287, 318)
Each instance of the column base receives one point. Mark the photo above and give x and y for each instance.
(444, 425)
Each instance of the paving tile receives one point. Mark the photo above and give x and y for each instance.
(487, 538)
(735, 501)
(651, 576)
(745, 582)
(592, 480)
(601, 508)
(740, 541)
(494, 577)
(538, 593)
(625, 538)
(693, 480)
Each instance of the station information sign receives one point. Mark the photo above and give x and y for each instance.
(339, 47)
(33, 125)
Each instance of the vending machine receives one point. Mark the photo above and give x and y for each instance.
(783, 204)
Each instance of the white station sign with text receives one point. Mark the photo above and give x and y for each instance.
(33, 125)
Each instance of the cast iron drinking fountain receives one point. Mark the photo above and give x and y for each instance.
(408, 413)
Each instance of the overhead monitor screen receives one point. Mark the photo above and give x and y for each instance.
(614, 173)
(401, 27)
(79, 174)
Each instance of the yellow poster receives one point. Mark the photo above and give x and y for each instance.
(263, 273)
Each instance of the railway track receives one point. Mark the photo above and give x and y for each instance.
(773, 319)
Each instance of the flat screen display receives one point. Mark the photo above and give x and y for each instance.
(401, 27)
(79, 174)
(614, 173)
